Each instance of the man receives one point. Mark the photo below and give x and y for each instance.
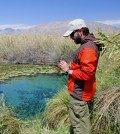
(81, 81)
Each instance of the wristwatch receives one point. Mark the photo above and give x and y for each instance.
(67, 72)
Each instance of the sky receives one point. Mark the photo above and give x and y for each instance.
(33, 12)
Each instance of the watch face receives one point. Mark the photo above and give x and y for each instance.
(67, 72)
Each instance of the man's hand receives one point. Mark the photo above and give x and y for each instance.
(63, 66)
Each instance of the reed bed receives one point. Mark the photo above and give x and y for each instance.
(48, 50)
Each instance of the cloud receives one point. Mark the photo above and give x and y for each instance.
(110, 22)
(16, 26)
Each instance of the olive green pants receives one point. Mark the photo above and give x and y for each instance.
(79, 117)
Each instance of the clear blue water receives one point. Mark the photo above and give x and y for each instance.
(28, 95)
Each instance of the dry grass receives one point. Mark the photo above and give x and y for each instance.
(36, 49)
(107, 112)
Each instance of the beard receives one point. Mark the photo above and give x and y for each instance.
(78, 39)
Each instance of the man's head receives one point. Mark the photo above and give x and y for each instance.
(77, 30)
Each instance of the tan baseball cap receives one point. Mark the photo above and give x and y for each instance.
(74, 25)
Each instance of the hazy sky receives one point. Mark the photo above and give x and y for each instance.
(45, 11)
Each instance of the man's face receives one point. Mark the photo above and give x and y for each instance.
(75, 35)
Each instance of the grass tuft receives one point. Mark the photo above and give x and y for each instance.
(107, 112)
(57, 109)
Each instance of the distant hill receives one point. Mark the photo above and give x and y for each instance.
(9, 31)
(93, 26)
(60, 28)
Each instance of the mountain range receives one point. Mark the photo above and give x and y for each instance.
(54, 28)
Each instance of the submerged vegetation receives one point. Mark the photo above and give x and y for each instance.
(8, 71)
(105, 116)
